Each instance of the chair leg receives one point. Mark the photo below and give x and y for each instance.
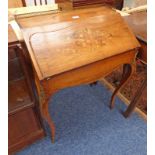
(128, 70)
(133, 103)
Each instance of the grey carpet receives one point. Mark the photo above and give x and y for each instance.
(86, 126)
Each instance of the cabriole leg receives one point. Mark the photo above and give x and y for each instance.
(128, 70)
(47, 117)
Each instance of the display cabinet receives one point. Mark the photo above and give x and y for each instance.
(24, 121)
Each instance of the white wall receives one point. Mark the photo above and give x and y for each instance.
(134, 3)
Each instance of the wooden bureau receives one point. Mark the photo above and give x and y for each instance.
(76, 47)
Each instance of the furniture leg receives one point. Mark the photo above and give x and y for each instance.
(128, 70)
(47, 117)
(93, 84)
(133, 103)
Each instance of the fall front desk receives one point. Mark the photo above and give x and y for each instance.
(76, 47)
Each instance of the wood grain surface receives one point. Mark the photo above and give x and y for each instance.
(138, 23)
(76, 38)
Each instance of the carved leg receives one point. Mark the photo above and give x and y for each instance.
(133, 103)
(47, 117)
(128, 69)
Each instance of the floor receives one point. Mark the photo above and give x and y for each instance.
(86, 126)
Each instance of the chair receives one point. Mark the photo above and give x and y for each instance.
(36, 2)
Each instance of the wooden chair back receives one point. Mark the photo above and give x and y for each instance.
(36, 2)
(41, 2)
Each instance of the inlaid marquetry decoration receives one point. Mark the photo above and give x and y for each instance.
(81, 37)
(83, 40)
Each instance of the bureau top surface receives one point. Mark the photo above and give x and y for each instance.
(68, 40)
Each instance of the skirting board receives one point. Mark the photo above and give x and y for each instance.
(125, 100)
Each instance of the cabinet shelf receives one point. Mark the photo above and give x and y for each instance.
(19, 97)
